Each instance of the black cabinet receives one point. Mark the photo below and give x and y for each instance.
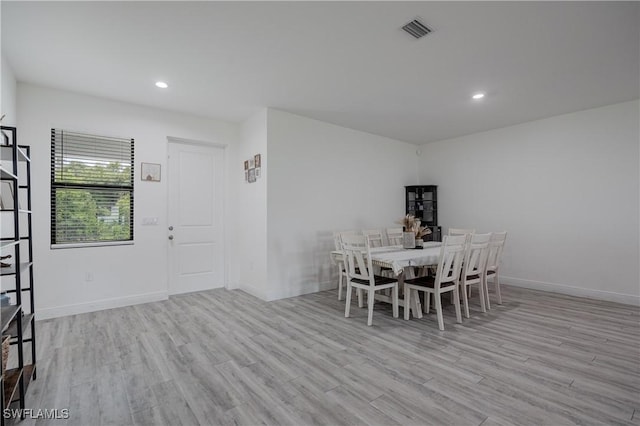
(422, 202)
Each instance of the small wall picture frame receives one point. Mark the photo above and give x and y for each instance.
(150, 172)
(257, 160)
(252, 175)
(246, 165)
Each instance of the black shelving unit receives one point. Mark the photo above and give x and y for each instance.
(18, 319)
(422, 202)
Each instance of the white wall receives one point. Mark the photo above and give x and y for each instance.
(8, 94)
(325, 178)
(249, 241)
(277, 246)
(572, 180)
(122, 274)
(565, 188)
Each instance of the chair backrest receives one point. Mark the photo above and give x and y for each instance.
(357, 257)
(461, 231)
(450, 261)
(394, 236)
(336, 240)
(475, 255)
(496, 244)
(375, 237)
(338, 235)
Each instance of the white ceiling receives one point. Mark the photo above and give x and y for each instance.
(346, 63)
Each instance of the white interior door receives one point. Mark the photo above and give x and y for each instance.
(196, 249)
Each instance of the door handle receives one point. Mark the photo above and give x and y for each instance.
(171, 237)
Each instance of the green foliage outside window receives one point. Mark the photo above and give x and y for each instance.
(85, 215)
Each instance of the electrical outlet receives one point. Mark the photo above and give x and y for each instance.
(88, 276)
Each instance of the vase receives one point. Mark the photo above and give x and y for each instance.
(408, 240)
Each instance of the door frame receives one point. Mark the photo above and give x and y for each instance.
(223, 147)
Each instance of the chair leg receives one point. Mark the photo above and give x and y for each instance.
(485, 288)
(427, 302)
(465, 299)
(415, 304)
(407, 301)
(360, 301)
(370, 296)
(456, 294)
(340, 285)
(394, 292)
(483, 304)
(496, 280)
(347, 306)
(438, 298)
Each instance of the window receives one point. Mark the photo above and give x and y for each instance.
(91, 189)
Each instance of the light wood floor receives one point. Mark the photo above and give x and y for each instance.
(224, 357)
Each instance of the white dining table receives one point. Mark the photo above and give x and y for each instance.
(401, 261)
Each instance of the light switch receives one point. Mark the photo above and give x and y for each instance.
(149, 221)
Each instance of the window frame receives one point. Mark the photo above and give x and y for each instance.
(56, 185)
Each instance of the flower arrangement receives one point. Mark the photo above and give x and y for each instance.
(412, 224)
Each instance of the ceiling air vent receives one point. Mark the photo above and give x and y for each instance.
(417, 29)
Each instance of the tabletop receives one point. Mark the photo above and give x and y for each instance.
(398, 258)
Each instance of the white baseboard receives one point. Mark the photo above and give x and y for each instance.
(252, 291)
(277, 295)
(99, 305)
(299, 291)
(627, 299)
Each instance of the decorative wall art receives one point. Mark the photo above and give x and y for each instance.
(150, 172)
(252, 168)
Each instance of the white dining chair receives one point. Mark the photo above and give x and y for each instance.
(339, 260)
(394, 236)
(496, 246)
(461, 231)
(447, 279)
(342, 273)
(375, 237)
(357, 254)
(474, 268)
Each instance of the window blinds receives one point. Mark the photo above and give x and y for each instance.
(91, 188)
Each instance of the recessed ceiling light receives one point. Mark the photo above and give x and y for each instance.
(161, 84)
(477, 96)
